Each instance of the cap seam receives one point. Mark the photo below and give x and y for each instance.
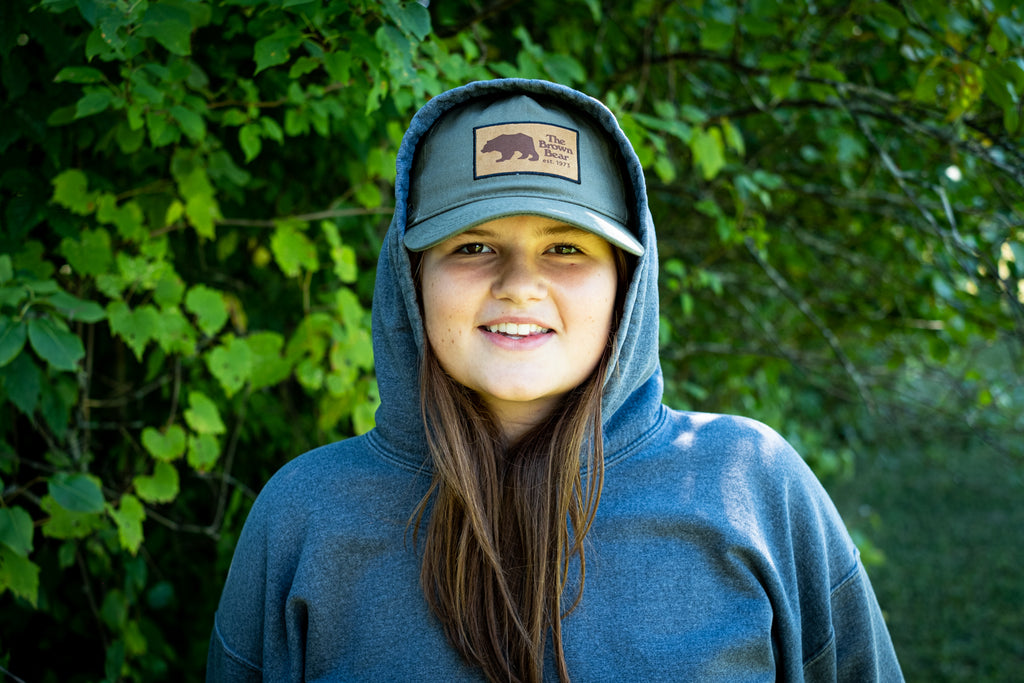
(432, 216)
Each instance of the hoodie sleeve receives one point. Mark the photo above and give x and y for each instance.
(827, 624)
(860, 650)
(236, 644)
(225, 666)
(843, 633)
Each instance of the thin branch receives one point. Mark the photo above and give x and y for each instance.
(175, 391)
(14, 678)
(178, 526)
(229, 460)
(314, 216)
(269, 105)
(479, 17)
(91, 599)
(823, 329)
(125, 399)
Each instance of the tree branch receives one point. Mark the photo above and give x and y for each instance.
(830, 338)
(314, 216)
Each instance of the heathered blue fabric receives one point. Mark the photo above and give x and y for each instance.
(715, 554)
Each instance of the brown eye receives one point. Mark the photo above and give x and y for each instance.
(473, 248)
(565, 249)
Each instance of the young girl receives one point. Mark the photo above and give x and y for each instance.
(526, 508)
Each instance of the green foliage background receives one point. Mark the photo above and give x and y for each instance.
(193, 193)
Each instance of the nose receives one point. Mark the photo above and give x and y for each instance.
(519, 279)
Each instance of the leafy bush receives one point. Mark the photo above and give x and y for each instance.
(193, 194)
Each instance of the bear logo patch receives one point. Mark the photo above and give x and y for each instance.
(526, 147)
(510, 145)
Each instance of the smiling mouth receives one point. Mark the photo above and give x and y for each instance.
(516, 330)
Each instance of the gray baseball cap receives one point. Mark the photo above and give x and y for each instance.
(490, 159)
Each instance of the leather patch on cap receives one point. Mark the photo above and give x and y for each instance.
(526, 147)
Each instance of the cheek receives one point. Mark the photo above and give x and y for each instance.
(605, 302)
(440, 310)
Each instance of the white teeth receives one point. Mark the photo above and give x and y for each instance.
(517, 330)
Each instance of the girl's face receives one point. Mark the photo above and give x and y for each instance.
(519, 310)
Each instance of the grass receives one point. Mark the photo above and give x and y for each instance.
(949, 520)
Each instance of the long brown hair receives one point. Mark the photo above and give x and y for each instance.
(507, 519)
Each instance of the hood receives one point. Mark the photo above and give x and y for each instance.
(633, 388)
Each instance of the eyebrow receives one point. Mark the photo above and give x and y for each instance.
(546, 231)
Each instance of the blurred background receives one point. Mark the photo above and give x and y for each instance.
(193, 194)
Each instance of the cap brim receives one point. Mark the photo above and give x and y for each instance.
(437, 229)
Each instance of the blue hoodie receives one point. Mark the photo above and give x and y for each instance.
(715, 554)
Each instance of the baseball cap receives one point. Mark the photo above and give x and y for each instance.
(516, 155)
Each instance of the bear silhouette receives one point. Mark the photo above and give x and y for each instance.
(508, 145)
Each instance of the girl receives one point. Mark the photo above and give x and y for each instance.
(515, 336)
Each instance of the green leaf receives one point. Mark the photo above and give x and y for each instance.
(74, 308)
(708, 151)
(780, 84)
(269, 367)
(93, 102)
(338, 65)
(733, 137)
(160, 131)
(665, 169)
(70, 190)
(64, 523)
(249, 139)
(20, 575)
(191, 122)
(368, 195)
(169, 290)
(889, 16)
(12, 338)
(55, 402)
(293, 251)
(275, 48)
(6, 269)
(160, 487)
(345, 264)
(564, 69)
(223, 167)
(310, 374)
(164, 446)
(78, 74)
(717, 35)
(302, 66)
(11, 297)
(209, 308)
(175, 334)
(231, 364)
(22, 381)
(272, 129)
(128, 517)
(202, 415)
(91, 253)
(76, 492)
(16, 530)
(412, 17)
(114, 611)
(170, 26)
(137, 328)
(203, 451)
(128, 218)
(161, 595)
(55, 344)
(200, 205)
(129, 139)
